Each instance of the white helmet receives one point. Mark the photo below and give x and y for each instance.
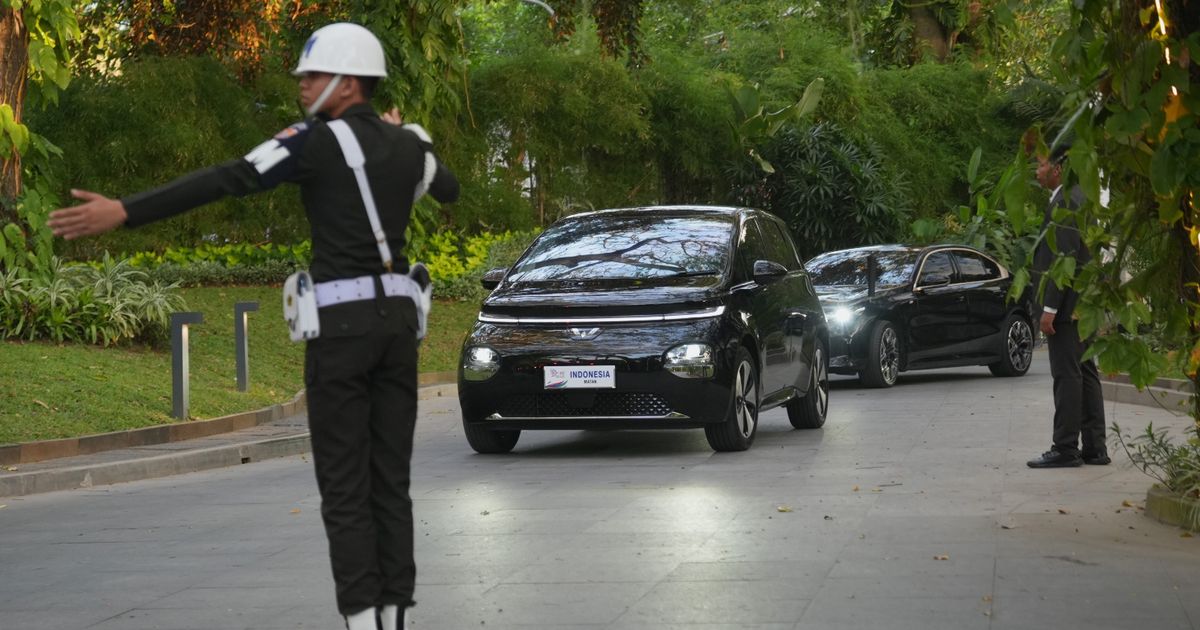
(343, 48)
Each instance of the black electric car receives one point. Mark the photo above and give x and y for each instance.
(660, 317)
(892, 308)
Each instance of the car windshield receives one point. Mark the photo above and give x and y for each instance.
(849, 268)
(604, 247)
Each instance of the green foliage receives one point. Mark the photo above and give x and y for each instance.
(160, 119)
(754, 125)
(106, 304)
(1174, 465)
(832, 191)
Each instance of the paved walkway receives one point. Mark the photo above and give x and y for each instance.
(912, 508)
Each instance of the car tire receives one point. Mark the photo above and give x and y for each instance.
(809, 412)
(1016, 355)
(883, 356)
(490, 441)
(736, 432)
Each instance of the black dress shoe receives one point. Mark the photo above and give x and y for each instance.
(1055, 459)
(1097, 458)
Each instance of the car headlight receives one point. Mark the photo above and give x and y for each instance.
(691, 360)
(843, 317)
(480, 363)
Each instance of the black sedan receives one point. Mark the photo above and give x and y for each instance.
(893, 308)
(662, 317)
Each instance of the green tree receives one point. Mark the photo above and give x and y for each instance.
(1132, 95)
(33, 67)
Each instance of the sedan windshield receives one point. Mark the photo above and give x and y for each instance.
(849, 268)
(604, 247)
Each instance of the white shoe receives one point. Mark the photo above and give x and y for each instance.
(365, 620)
(392, 618)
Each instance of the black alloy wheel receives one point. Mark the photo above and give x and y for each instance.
(1017, 353)
(883, 356)
(737, 431)
(810, 411)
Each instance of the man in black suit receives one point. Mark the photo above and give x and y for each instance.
(1078, 398)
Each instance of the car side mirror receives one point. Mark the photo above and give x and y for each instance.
(492, 277)
(767, 271)
(933, 280)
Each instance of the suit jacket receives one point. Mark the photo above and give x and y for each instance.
(1069, 242)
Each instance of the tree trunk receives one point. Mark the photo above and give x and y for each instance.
(14, 65)
(931, 38)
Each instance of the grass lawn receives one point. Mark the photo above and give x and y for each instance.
(54, 391)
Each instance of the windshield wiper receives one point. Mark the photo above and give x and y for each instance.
(694, 273)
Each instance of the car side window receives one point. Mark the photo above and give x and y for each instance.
(937, 264)
(973, 267)
(782, 250)
(750, 249)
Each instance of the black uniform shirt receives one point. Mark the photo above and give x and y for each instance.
(308, 154)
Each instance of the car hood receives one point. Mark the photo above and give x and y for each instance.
(604, 297)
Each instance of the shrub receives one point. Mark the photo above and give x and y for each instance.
(832, 192)
(108, 303)
(1175, 465)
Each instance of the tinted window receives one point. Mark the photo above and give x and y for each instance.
(615, 247)
(779, 246)
(937, 264)
(973, 267)
(752, 248)
(849, 268)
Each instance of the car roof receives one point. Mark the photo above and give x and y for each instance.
(673, 210)
(898, 247)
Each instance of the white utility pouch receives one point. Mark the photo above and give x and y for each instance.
(300, 307)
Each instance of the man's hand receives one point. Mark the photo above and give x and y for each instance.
(96, 215)
(393, 116)
(1047, 323)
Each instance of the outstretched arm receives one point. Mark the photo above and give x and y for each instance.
(96, 215)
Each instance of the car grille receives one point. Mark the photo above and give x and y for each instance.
(584, 404)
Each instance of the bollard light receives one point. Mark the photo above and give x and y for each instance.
(180, 391)
(242, 343)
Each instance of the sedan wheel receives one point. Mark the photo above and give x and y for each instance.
(809, 412)
(737, 431)
(883, 356)
(1017, 354)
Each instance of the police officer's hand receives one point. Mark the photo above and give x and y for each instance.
(393, 116)
(96, 215)
(1047, 323)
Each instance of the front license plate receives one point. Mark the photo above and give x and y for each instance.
(580, 377)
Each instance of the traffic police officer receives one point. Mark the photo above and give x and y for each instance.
(361, 372)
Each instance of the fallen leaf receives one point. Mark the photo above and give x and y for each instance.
(783, 508)
(1064, 511)
(854, 489)
(484, 513)
(1006, 526)
(1127, 503)
(1186, 535)
(987, 598)
(941, 557)
(295, 510)
(10, 468)
(876, 489)
(40, 403)
(828, 517)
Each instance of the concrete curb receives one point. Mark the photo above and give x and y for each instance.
(101, 474)
(429, 384)
(1171, 395)
(240, 450)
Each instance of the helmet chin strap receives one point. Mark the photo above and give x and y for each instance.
(316, 106)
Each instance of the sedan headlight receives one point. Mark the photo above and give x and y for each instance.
(843, 317)
(480, 363)
(691, 360)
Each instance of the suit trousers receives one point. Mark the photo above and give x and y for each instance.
(362, 410)
(1078, 397)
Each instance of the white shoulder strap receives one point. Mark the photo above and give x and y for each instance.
(356, 161)
(430, 163)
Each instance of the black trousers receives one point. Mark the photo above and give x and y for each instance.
(361, 379)
(1078, 398)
